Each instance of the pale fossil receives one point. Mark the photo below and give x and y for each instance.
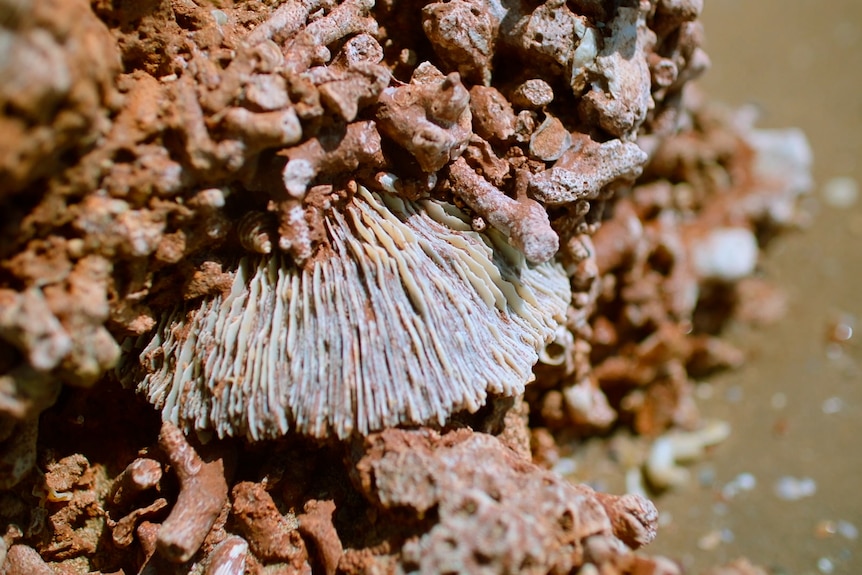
(407, 316)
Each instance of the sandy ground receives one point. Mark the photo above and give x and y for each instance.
(796, 407)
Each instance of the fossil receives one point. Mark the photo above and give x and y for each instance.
(406, 318)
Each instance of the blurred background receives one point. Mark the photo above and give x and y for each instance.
(785, 489)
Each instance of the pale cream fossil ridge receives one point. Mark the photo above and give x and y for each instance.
(411, 317)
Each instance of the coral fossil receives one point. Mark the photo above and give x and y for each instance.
(408, 317)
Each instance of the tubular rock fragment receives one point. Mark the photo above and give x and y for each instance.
(271, 537)
(122, 531)
(203, 493)
(228, 558)
(141, 474)
(662, 466)
(263, 129)
(585, 168)
(316, 525)
(524, 221)
(333, 152)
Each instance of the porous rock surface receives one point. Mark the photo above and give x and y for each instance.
(146, 147)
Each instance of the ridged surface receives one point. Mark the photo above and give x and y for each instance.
(255, 231)
(413, 317)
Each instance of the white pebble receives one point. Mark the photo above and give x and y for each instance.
(792, 488)
(388, 181)
(742, 482)
(746, 481)
(848, 530)
(709, 541)
(778, 401)
(706, 476)
(219, 16)
(840, 192)
(212, 198)
(661, 466)
(726, 254)
(832, 405)
(825, 565)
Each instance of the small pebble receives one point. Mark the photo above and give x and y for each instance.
(778, 401)
(219, 16)
(706, 476)
(828, 528)
(840, 329)
(848, 530)
(825, 528)
(792, 488)
(726, 254)
(825, 565)
(535, 94)
(832, 405)
(840, 192)
(742, 482)
(746, 481)
(550, 140)
(710, 541)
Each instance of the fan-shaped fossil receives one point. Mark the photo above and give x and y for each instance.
(408, 317)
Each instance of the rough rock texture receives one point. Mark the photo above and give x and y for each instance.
(146, 147)
(671, 264)
(417, 499)
(496, 512)
(183, 119)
